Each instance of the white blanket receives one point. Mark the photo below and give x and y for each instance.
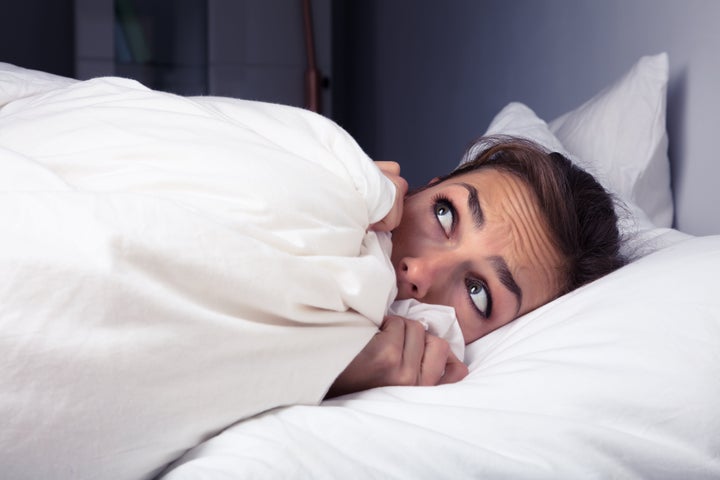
(169, 266)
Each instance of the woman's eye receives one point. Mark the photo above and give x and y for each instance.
(479, 296)
(444, 215)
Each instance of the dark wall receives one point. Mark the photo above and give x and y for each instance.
(353, 44)
(402, 72)
(38, 34)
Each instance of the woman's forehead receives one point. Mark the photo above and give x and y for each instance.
(499, 193)
(516, 227)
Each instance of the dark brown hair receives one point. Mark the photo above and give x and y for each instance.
(579, 213)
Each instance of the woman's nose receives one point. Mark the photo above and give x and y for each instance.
(417, 275)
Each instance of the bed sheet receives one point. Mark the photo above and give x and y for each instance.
(615, 380)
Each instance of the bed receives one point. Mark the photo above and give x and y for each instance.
(618, 379)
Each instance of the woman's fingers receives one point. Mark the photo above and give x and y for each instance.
(425, 359)
(401, 353)
(413, 353)
(455, 370)
(392, 168)
(439, 364)
(433, 362)
(404, 349)
(392, 171)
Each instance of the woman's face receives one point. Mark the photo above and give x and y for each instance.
(476, 242)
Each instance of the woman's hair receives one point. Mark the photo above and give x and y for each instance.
(579, 212)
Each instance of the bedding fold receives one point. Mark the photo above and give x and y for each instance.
(169, 266)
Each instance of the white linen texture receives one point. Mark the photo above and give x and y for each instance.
(170, 266)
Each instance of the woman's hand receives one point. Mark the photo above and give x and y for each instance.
(401, 353)
(392, 171)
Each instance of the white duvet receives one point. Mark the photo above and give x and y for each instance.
(169, 266)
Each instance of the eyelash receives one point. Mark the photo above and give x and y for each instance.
(441, 200)
(474, 281)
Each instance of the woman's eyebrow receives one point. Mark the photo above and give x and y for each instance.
(474, 205)
(506, 278)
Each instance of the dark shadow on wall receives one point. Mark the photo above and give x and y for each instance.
(676, 118)
(39, 34)
(353, 64)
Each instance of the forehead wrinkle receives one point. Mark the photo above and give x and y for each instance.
(530, 234)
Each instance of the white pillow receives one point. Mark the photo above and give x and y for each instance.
(621, 134)
(618, 136)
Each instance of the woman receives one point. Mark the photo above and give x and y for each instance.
(510, 230)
